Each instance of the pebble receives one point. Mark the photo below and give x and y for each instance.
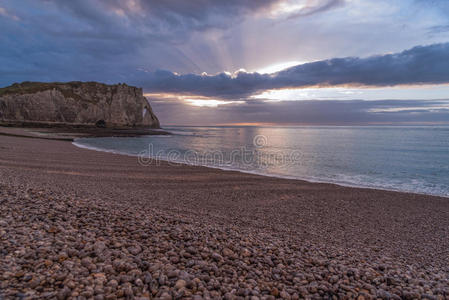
(180, 284)
(89, 250)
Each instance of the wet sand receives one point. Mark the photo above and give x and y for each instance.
(110, 227)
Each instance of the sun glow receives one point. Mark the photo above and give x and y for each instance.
(284, 94)
(207, 102)
(199, 101)
(418, 92)
(279, 67)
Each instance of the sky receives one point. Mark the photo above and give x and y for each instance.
(204, 62)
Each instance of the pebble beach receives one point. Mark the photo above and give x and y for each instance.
(81, 224)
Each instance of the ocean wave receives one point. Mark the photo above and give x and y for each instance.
(100, 149)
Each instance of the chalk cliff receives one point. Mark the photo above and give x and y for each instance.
(76, 103)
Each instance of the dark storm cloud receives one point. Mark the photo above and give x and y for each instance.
(164, 18)
(110, 40)
(313, 112)
(419, 65)
(126, 40)
(103, 40)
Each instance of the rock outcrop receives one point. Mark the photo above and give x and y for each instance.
(76, 103)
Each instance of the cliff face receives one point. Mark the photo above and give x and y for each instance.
(76, 103)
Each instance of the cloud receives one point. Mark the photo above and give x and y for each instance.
(313, 7)
(105, 40)
(128, 40)
(419, 65)
(172, 20)
(310, 112)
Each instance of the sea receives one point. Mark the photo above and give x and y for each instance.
(399, 158)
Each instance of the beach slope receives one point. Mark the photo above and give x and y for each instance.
(76, 222)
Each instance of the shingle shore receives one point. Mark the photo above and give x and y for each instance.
(64, 235)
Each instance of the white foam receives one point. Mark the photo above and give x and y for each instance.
(83, 146)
